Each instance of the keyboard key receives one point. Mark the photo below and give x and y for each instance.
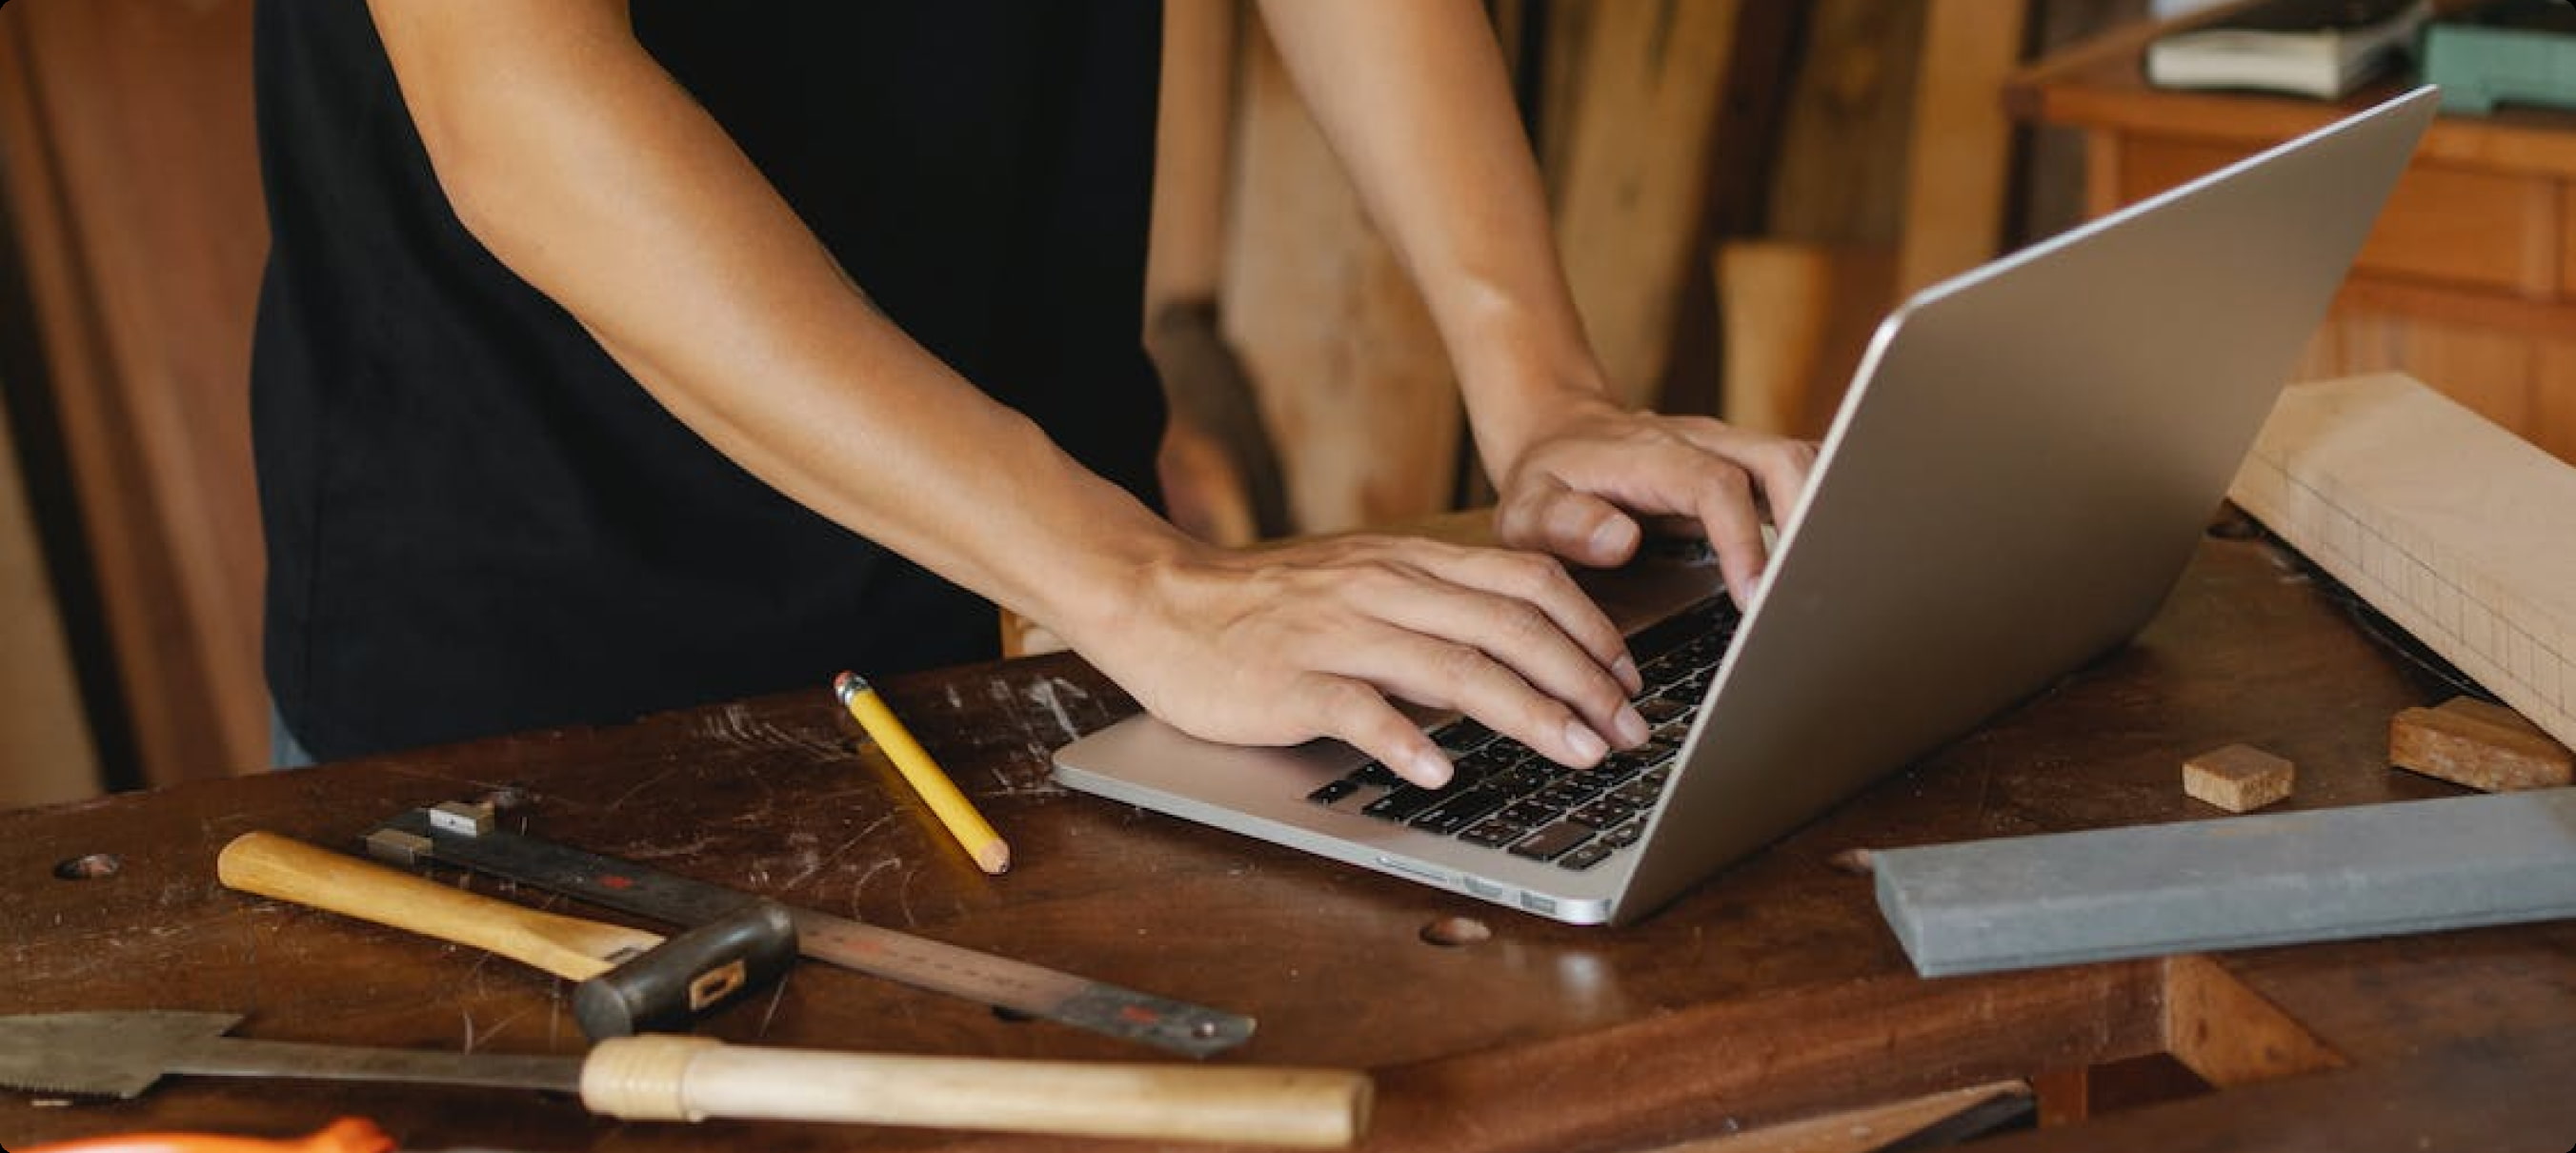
(1552, 842)
(1493, 833)
(1461, 737)
(1404, 803)
(1375, 775)
(1586, 857)
(1489, 760)
(1459, 811)
(1334, 791)
(1567, 794)
(1601, 814)
(1624, 835)
(1658, 709)
(1640, 793)
(1531, 814)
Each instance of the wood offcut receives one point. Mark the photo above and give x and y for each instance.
(2483, 746)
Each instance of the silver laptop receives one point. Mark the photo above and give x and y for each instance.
(2021, 469)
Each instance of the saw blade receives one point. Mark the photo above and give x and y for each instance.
(462, 836)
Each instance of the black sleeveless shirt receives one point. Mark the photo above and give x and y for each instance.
(477, 523)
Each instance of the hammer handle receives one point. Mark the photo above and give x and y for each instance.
(677, 1078)
(290, 870)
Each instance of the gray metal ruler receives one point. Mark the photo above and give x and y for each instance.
(463, 836)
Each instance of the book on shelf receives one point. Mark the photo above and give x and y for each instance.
(2320, 48)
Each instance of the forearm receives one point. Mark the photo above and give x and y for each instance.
(1415, 101)
(583, 167)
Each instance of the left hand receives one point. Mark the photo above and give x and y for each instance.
(1579, 485)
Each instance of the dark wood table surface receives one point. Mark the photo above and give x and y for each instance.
(1770, 992)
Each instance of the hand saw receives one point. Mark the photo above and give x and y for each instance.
(463, 836)
(665, 1077)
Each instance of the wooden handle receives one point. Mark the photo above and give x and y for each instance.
(290, 870)
(672, 1078)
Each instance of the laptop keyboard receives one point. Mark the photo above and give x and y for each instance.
(1509, 799)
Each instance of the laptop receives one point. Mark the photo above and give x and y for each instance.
(2019, 473)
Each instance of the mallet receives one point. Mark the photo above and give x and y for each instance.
(630, 980)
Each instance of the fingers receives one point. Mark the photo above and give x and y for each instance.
(1549, 517)
(1540, 582)
(1781, 467)
(1449, 674)
(1359, 715)
(1582, 498)
(1508, 663)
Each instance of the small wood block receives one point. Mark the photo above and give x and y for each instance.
(2238, 778)
(2490, 713)
(2465, 742)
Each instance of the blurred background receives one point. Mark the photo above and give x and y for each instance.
(1741, 189)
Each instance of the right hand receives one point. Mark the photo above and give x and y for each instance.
(1280, 645)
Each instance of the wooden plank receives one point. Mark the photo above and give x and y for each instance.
(1186, 245)
(1352, 379)
(1797, 318)
(2460, 533)
(145, 301)
(1842, 169)
(45, 752)
(1864, 1130)
(1636, 175)
(2230, 1035)
(1959, 163)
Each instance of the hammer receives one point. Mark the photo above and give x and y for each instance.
(629, 980)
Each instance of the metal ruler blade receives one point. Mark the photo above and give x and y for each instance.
(463, 836)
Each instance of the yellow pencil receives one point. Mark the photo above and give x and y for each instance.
(949, 805)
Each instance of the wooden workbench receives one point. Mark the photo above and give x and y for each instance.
(1771, 992)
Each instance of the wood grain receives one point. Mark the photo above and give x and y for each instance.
(1352, 378)
(1636, 173)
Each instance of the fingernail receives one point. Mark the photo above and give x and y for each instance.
(1633, 729)
(1587, 745)
(1612, 535)
(1431, 770)
(1626, 670)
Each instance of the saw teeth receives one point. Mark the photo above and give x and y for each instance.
(46, 1088)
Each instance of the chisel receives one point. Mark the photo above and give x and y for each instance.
(463, 836)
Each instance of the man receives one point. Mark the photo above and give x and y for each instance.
(877, 268)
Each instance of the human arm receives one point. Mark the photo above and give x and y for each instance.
(1414, 99)
(582, 166)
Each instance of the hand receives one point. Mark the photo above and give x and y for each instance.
(1280, 645)
(1577, 488)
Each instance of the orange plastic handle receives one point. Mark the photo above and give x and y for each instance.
(346, 1135)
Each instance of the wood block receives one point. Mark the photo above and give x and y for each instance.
(2458, 531)
(2463, 742)
(2490, 713)
(2238, 778)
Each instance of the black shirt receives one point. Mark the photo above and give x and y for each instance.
(478, 523)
